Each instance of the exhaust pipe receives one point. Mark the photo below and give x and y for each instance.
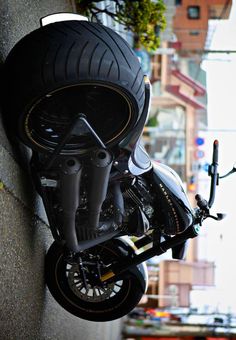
(99, 171)
(70, 177)
(88, 237)
(70, 184)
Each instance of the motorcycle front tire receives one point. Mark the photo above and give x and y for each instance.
(107, 303)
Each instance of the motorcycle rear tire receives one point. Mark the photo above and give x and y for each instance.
(66, 68)
(71, 297)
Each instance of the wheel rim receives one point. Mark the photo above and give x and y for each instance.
(71, 287)
(107, 110)
(91, 293)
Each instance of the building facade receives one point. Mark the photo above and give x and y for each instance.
(179, 104)
(190, 23)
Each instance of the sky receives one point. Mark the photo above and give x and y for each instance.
(218, 240)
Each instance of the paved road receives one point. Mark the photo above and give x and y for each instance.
(27, 310)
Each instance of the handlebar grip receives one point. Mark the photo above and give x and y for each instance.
(213, 173)
(215, 152)
(201, 202)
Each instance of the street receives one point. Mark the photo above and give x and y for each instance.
(27, 310)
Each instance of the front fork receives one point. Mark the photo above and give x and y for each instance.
(157, 249)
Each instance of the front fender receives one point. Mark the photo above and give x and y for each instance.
(127, 248)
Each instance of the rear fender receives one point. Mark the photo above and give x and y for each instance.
(49, 19)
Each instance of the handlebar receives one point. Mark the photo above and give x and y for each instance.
(203, 204)
(212, 172)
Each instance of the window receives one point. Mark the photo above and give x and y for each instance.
(195, 32)
(213, 14)
(193, 12)
(178, 2)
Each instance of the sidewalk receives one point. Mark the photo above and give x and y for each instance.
(27, 310)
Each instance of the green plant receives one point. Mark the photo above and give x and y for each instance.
(145, 18)
(152, 121)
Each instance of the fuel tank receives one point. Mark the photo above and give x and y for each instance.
(174, 212)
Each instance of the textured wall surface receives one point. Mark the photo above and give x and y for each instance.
(27, 310)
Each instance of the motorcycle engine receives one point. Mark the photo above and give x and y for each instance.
(138, 207)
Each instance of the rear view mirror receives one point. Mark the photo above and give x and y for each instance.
(230, 172)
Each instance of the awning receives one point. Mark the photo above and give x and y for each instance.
(174, 90)
(199, 90)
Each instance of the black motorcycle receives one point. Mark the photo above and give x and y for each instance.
(75, 94)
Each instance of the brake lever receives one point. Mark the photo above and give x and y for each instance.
(218, 217)
(204, 211)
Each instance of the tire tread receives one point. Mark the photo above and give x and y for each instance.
(65, 54)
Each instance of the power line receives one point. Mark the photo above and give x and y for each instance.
(202, 52)
(225, 8)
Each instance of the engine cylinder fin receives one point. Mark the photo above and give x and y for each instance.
(129, 193)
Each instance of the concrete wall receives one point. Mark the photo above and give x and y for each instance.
(27, 310)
